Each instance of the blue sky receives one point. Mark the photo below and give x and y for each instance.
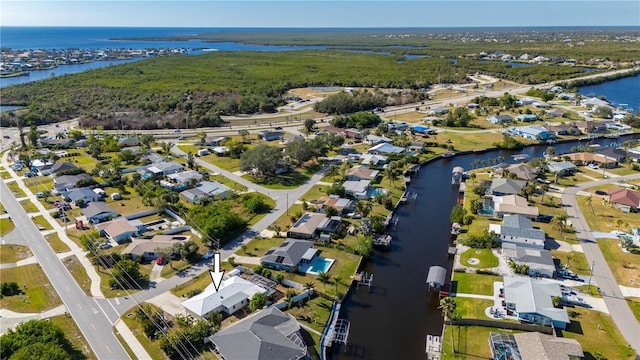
(302, 13)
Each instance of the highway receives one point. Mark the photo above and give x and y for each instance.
(602, 275)
(86, 311)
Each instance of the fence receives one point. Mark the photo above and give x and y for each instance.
(141, 214)
(504, 325)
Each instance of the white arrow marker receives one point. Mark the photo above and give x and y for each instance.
(216, 274)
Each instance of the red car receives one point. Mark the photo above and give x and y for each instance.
(160, 259)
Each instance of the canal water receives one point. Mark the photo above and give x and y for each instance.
(393, 319)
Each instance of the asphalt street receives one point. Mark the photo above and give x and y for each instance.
(602, 275)
(86, 311)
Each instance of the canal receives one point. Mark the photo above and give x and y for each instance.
(393, 319)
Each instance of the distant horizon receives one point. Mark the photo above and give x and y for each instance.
(335, 27)
(320, 13)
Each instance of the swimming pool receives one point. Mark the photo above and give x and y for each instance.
(318, 264)
(372, 192)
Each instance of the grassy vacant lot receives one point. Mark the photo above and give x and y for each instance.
(596, 332)
(6, 225)
(130, 203)
(290, 180)
(486, 257)
(259, 246)
(624, 266)
(313, 313)
(199, 282)
(603, 218)
(152, 347)
(470, 308)
(13, 253)
(228, 182)
(79, 273)
(39, 183)
(5, 175)
(38, 295)
(466, 283)
(412, 117)
(105, 276)
(576, 260)
(173, 268)
(73, 334)
(472, 343)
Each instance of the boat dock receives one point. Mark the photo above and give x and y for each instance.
(457, 175)
(383, 240)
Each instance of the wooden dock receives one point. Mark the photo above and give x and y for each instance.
(382, 241)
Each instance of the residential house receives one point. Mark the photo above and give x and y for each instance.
(220, 150)
(510, 205)
(522, 171)
(618, 155)
(526, 101)
(68, 182)
(270, 135)
(499, 119)
(267, 335)
(136, 150)
(421, 129)
(38, 165)
(120, 229)
(563, 168)
(438, 111)
(214, 141)
(182, 179)
(233, 294)
(397, 126)
(342, 205)
(62, 166)
(85, 194)
(554, 112)
(289, 255)
(594, 102)
(215, 189)
(534, 132)
(500, 187)
(541, 105)
(57, 143)
(357, 189)
(625, 199)
(97, 212)
(518, 229)
(373, 160)
(527, 117)
(534, 345)
(150, 249)
(314, 225)
(531, 301)
(161, 169)
(347, 133)
(589, 126)
(538, 261)
(361, 172)
(564, 129)
(585, 158)
(128, 141)
(152, 158)
(375, 139)
(385, 148)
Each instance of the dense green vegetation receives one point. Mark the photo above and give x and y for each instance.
(37, 339)
(345, 103)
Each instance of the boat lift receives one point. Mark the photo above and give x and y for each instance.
(362, 278)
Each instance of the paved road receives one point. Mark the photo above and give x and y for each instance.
(87, 313)
(602, 275)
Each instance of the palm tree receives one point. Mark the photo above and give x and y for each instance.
(364, 207)
(589, 202)
(557, 222)
(243, 133)
(203, 137)
(333, 171)
(448, 306)
(324, 278)
(392, 174)
(309, 286)
(544, 188)
(289, 295)
(336, 281)
(166, 147)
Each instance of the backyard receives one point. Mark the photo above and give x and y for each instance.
(467, 283)
(37, 293)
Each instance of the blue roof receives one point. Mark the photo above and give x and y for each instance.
(420, 128)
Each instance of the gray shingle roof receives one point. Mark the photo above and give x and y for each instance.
(506, 186)
(289, 253)
(520, 226)
(95, 208)
(268, 335)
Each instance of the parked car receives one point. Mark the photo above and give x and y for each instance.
(544, 218)
(593, 166)
(29, 174)
(40, 194)
(160, 259)
(278, 128)
(600, 192)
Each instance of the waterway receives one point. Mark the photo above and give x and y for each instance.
(393, 319)
(622, 91)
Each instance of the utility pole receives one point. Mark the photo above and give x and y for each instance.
(593, 263)
(287, 204)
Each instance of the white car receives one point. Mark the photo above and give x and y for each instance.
(593, 166)
(208, 255)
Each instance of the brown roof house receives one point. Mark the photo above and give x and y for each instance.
(510, 204)
(314, 225)
(522, 171)
(150, 249)
(341, 204)
(361, 172)
(625, 199)
(534, 345)
(120, 229)
(584, 158)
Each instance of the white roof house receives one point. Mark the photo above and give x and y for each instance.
(234, 293)
(519, 230)
(385, 148)
(532, 300)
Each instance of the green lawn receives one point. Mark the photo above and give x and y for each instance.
(5, 175)
(470, 308)
(259, 246)
(38, 295)
(471, 342)
(577, 261)
(15, 189)
(601, 217)
(228, 182)
(105, 276)
(314, 313)
(290, 180)
(39, 183)
(6, 225)
(173, 268)
(74, 335)
(199, 282)
(466, 283)
(315, 193)
(624, 266)
(28, 206)
(485, 256)
(596, 332)
(41, 223)
(130, 203)
(634, 304)
(622, 170)
(13, 253)
(78, 272)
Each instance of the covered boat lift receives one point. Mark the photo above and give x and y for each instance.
(436, 277)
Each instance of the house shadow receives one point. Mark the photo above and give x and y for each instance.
(551, 244)
(349, 351)
(574, 327)
(454, 286)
